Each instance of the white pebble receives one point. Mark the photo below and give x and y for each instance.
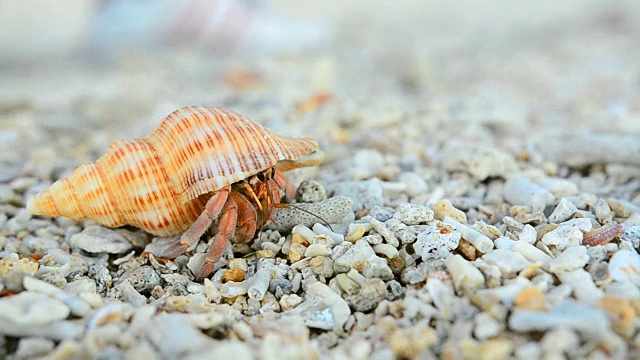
(380, 227)
(77, 306)
(575, 257)
(521, 191)
(413, 214)
(386, 250)
(437, 242)
(322, 308)
(528, 234)
(98, 239)
(584, 289)
(479, 241)
(485, 326)
(464, 274)
(531, 252)
(303, 231)
(32, 309)
(509, 262)
(564, 236)
(563, 211)
(259, 285)
(321, 229)
(317, 250)
(624, 267)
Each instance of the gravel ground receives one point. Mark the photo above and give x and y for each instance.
(482, 181)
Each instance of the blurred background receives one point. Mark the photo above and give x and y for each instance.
(78, 74)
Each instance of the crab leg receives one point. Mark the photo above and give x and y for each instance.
(289, 191)
(211, 211)
(247, 217)
(226, 229)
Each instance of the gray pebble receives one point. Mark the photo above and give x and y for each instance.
(310, 191)
(413, 214)
(130, 294)
(40, 245)
(381, 213)
(98, 239)
(144, 279)
(371, 293)
(563, 211)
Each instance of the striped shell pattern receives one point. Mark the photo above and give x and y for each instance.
(162, 182)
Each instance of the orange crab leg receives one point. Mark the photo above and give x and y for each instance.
(226, 229)
(289, 191)
(211, 211)
(247, 218)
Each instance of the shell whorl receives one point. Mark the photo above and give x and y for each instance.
(226, 148)
(161, 183)
(81, 195)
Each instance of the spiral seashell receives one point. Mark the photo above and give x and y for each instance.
(161, 183)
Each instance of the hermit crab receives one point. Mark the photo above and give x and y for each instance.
(200, 165)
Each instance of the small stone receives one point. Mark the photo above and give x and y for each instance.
(480, 161)
(235, 274)
(211, 292)
(415, 184)
(563, 237)
(509, 262)
(464, 274)
(389, 251)
(584, 289)
(371, 293)
(288, 302)
(355, 234)
(437, 241)
(381, 214)
(347, 285)
(362, 257)
(266, 254)
(30, 347)
(575, 257)
(32, 309)
(25, 266)
(98, 239)
(485, 326)
(413, 214)
(310, 191)
(322, 308)
(317, 250)
(481, 242)
(367, 163)
(603, 211)
(623, 267)
(322, 265)
(530, 298)
(563, 211)
(520, 191)
(622, 313)
(144, 279)
(381, 229)
(130, 294)
(444, 208)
